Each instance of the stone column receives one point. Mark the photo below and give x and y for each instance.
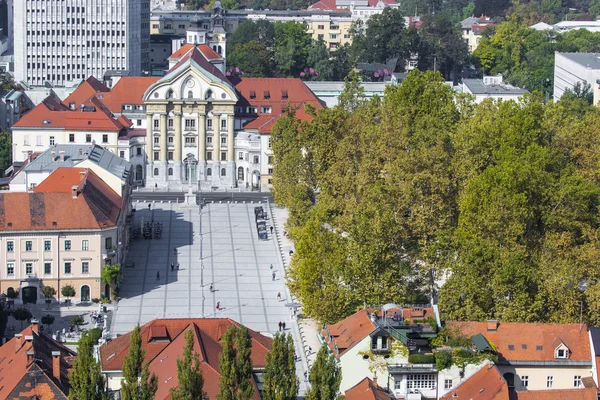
(164, 145)
(177, 157)
(201, 146)
(216, 148)
(149, 152)
(231, 171)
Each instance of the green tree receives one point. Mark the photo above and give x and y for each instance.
(261, 31)
(5, 151)
(253, 58)
(67, 291)
(291, 46)
(281, 382)
(22, 314)
(319, 58)
(580, 91)
(48, 320)
(77, 321)
(137, 382)
(87, 383)
(49, 292)
(325, 377)
(189, 373)
(111, 273)
(235, 365)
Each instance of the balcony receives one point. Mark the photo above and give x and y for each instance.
(411, 368)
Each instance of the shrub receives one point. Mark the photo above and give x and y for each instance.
(48, 319)
(421, 359)
(11, 293)
(77, 321)
(95, 334)
(443, 360)
(68, 291)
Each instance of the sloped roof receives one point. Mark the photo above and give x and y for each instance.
(85, 90)
(51, 205)
(18, 376)
(349, 332)
(485, 384)
(520, 341)
(366, 390)
(556, 394)
(128, 90)
(162, 354)
(91, 114)
(205, 49)
(195, 56)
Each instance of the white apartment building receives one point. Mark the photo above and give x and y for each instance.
(571, 68)
(69, 40)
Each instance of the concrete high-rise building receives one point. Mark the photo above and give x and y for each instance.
(67, 41)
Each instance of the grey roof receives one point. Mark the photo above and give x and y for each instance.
(338, 86)
(591, 60)
(476, 86)
(468, 23)
(74, 154)
(13, 95)
(595, 333)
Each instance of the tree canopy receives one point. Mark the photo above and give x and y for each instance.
(280, 380)
(388, 195)
(87, 383)
(138, 383)
(235, 365)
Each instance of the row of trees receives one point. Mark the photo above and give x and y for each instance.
(235, 366)
(262, 48)
(502, 197)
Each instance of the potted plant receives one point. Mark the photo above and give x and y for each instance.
(48, 292)
(12, 294)
(68, 291)
(48, 320)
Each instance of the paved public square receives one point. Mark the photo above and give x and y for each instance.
(217, 244)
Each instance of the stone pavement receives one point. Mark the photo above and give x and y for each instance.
(217, 244)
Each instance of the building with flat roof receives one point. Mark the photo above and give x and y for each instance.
(58, 42)
(490, 87)
(573, 68)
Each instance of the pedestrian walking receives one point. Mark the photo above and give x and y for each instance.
(291, 252)
(156, 186)
(280, 325)
(218, 305)
(271, 229)
(211, 288)
(273, 275)
(284, 233)
(177, 266)
(305, 375)
(172, 267)
(283, 326)
(309, 350)
(279, 296)
(149, 205)
(175, 250)
(157, 275)
(271, 267)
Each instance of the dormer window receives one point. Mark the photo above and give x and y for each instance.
(561, 350)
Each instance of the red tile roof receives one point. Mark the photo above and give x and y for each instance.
(485, 384)
(348, 332)
(195, 55)
(18, 374)
(128, 90)
(51, 205)
(85, 90)
(162, 354)
(276, 93)
(205, 49)
(53, 114)
(556, 394)
(366, 390)
(520, 341)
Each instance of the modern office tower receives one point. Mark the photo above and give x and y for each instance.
(65, 41)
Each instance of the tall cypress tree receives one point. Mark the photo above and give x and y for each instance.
(189, 373)
(235, 365)
(137, 384)
(281, 382)
(325, 377)
(85, 378)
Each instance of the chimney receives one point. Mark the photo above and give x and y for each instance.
(61, 155)
(492, 325)
(53, 155)
(29, 354)
(56, 364)
(373, 317)
(35, 325)
(74, 191)
(18, 341)
(375, 380)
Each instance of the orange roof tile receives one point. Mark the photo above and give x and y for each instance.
(348, 332)
(195, 55)
(556, 394)
(128, 90)
(52, 206)
(205, 49)
(485, 384)
(366, 390)
(14, 366)
(162, 354)
(521, 341)
(85, 90)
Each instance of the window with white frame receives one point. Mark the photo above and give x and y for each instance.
(10, 268)
(240, 155)
(170, 139)
(28, 268)
(85, 267)
(266, 109)
(85, 245)
(26, 140)
(47, 268)
(68, 268)
(256, 159)
(577, 381)
(549, 381)
(156, 124)
(223, 140)
(190, 141)
(67, 245)
(10, 246)
(52, 141)
(156, 139)
(28, 245)
(209, 124)
(524, 381)
(190, 124)
(447, 383)
(47, 245)
(223, 124)
(420, 381)
(170, 123)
